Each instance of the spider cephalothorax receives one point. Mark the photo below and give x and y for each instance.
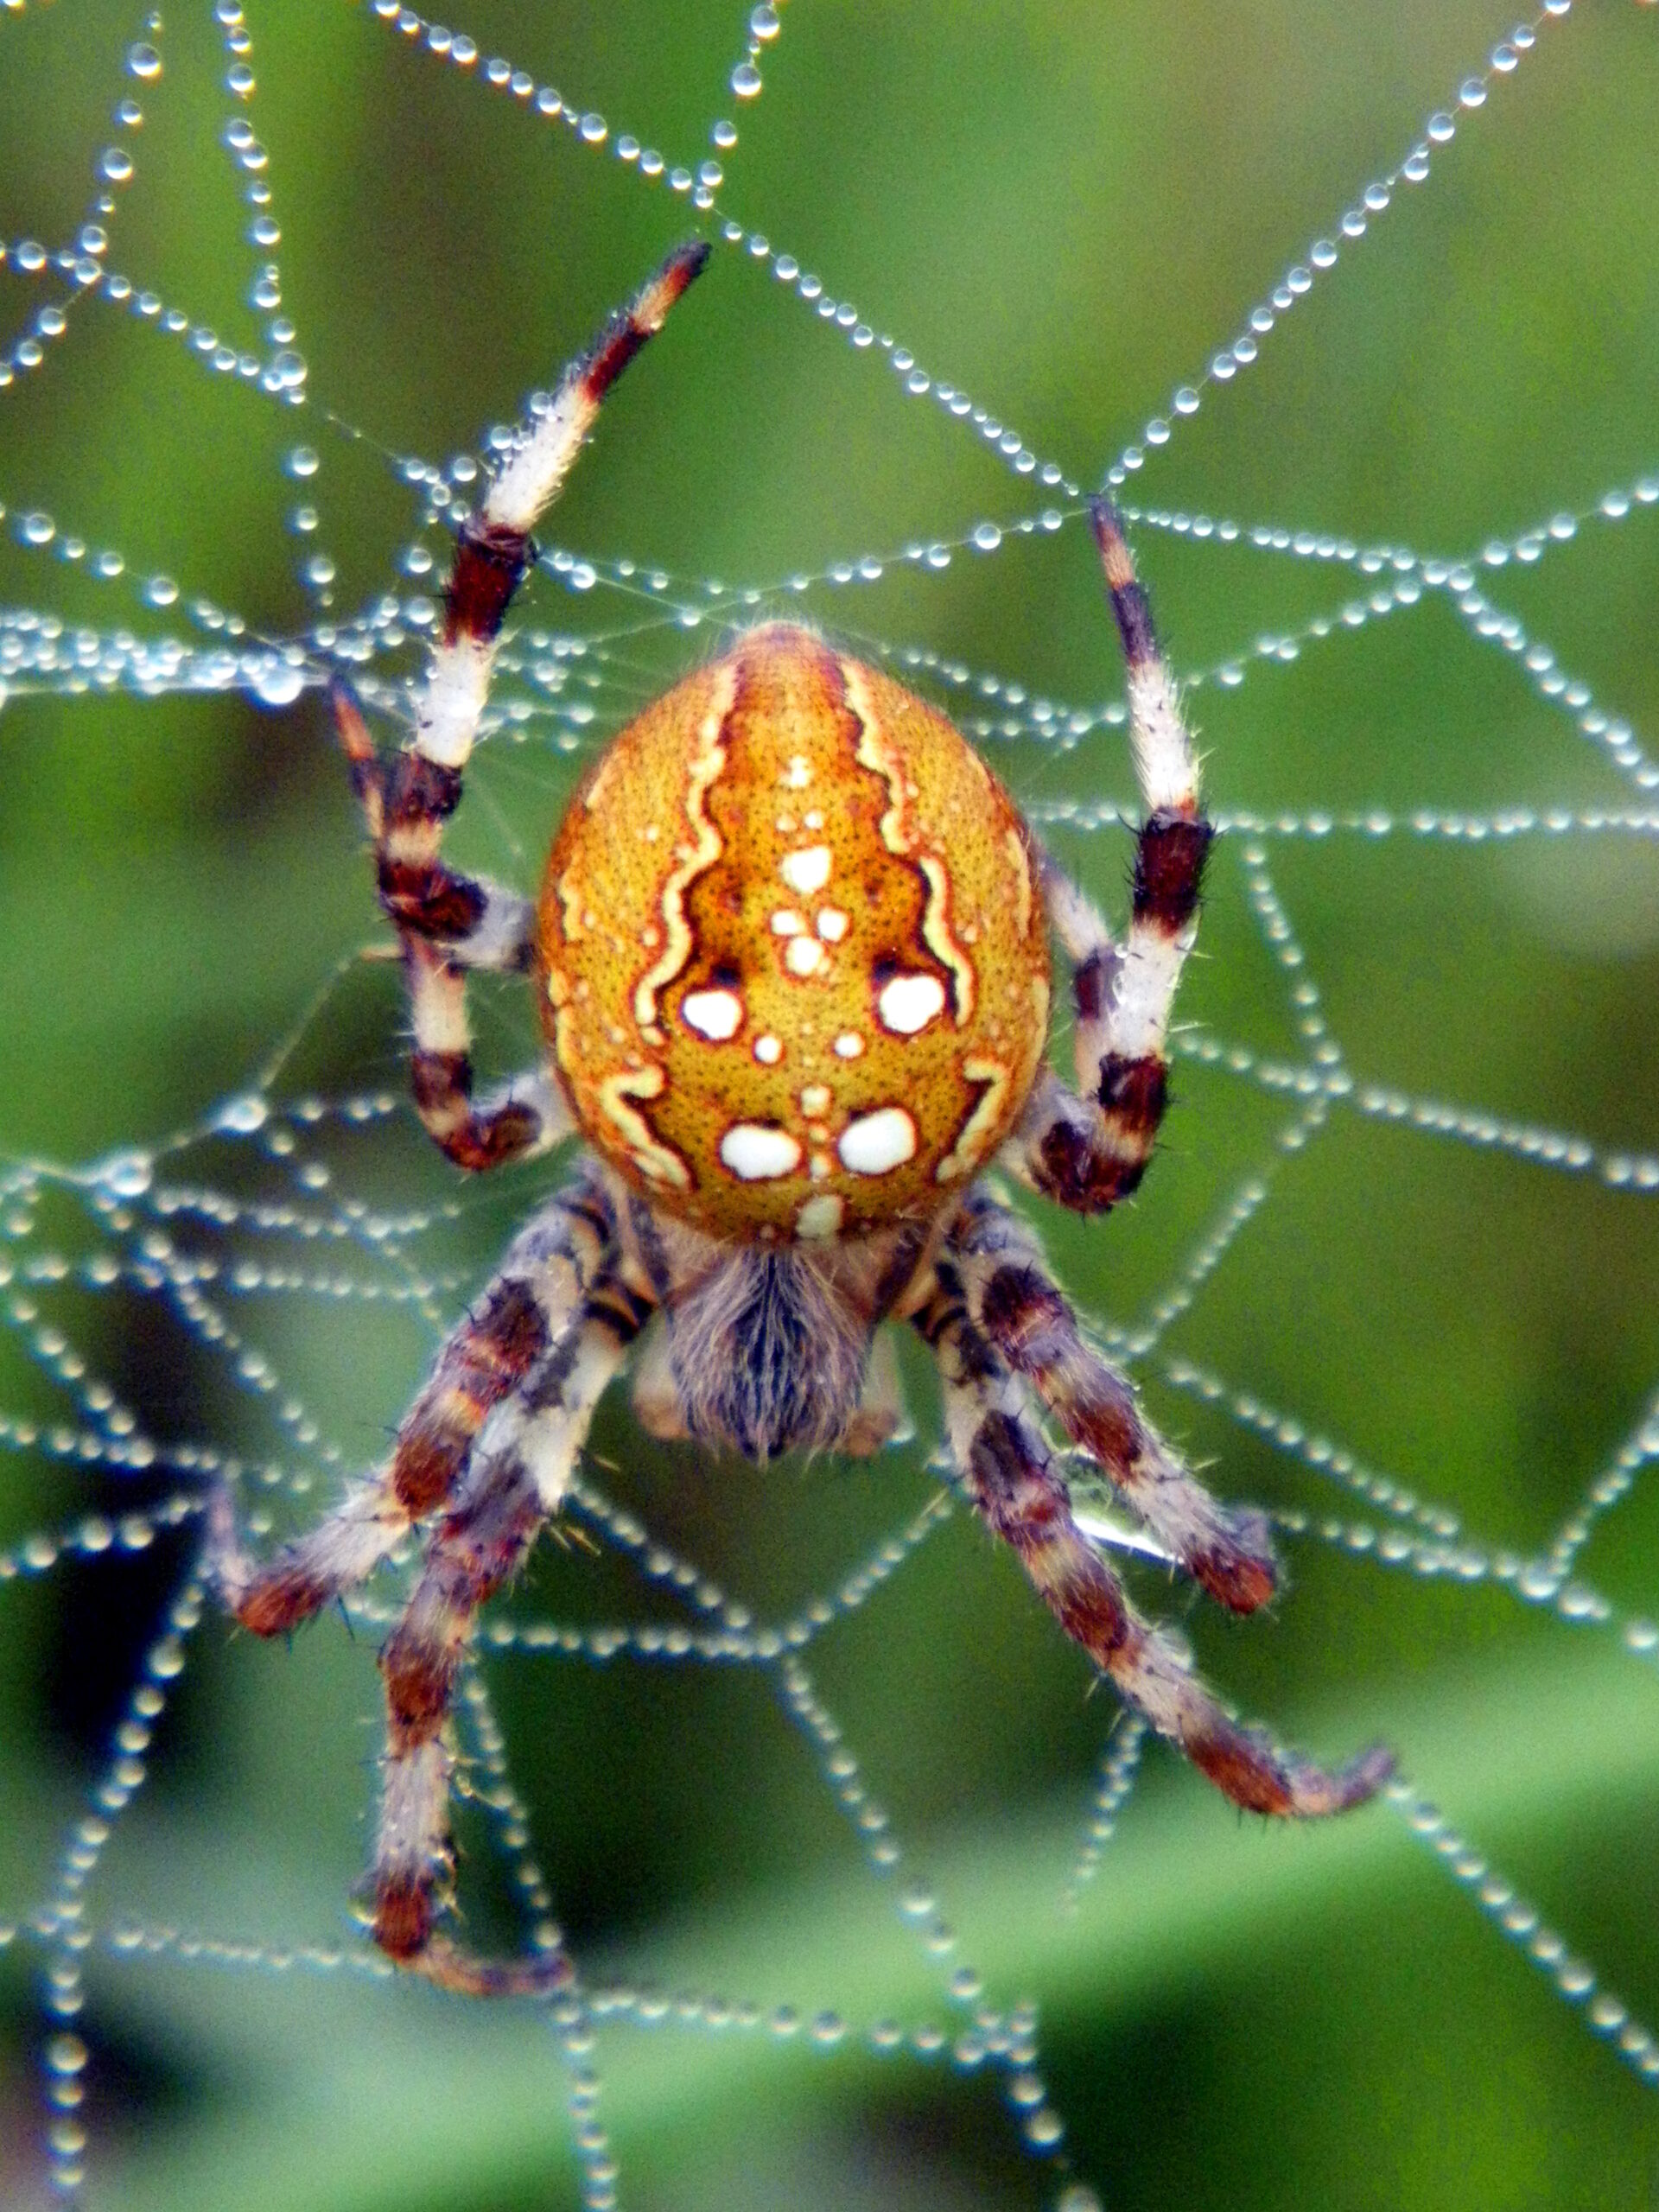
(792, 957)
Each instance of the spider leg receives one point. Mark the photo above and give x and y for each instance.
(516, 1479)
(652, 1386)
(515, 1328)
(881, 1415)
(1090, 1152)
(1015, 1304)
(449, 924)
(1020, 1496)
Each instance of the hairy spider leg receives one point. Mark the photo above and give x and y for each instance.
(446, 923)
(521, 1319)
(1015, 1489)
(519, 1476)
(1089, 1152)
(1016, 1305)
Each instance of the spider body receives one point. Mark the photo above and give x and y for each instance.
(794, 963)
(792, 957)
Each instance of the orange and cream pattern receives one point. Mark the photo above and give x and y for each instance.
(795, 969)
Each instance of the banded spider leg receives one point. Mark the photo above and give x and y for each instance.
(490, 1444)
(487, 1452)
(998, 1322)
(1015, 1488)
(448, 923)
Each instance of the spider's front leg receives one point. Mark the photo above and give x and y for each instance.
(1021, 1497)
(1088, 1151)
(1015, 1304)
(449, 924)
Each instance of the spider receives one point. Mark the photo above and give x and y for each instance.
(791, 956)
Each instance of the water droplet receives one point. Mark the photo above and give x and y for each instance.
(143, 61)
(65, 2054)
(723, 138)
(243, 1116)
(288, 370)
(276, 684)
(116, 165)
(764, 23)
(745, 81)
(160, 591)
(987, 537)
(126, 1174)
(1471, 93)
(303, 461)
(36, 529)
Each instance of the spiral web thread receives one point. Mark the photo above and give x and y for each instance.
(130, 1222)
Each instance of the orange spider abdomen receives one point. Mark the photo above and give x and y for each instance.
(792, 954)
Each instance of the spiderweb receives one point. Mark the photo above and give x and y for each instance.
(1393, 1274)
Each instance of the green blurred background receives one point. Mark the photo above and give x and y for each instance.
(1062, 209)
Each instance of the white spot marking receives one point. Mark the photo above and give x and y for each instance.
(798, 774)
(814, 1099)
(786, 923)
(910, 1002)
(849, 1045)
(768, 1051)
(876, 1143)
(804, 955)
(820, 1217)
(832, 924)
(756, 1154)
(807, 870)
(714, 1014)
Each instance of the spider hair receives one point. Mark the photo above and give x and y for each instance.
(768, 1356)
